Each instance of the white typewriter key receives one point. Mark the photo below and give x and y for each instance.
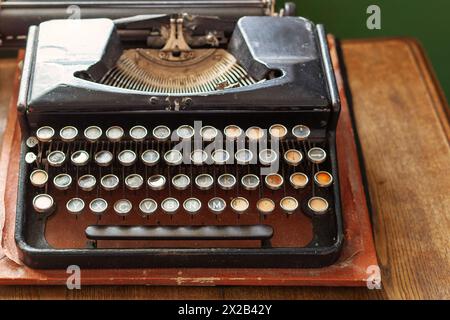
(250, 181)
(79, 158)
(30, 157)
(103, 158)
(208, 133)
(254, 133)
(317, 155)
(170, 205)
(87, 182)
(301, 132)
(134, 181)
(274, 181)
(181, 181)
(123, 207)
(198, 157)
(243, 156)
(138, 133)
(150, 157)
(56, 158)
(267, 157)
(98, 206)
(173, 157)
(43, 203)
(92, 133)
(278, 131)
(185, 132)
(192, 205)
(318, 205)
(114, 133)
(239, 205)
(126, 158)
(204, 181)
(161, 133)
(62, 181)
(323, 179)
(220, 156)
(265, 205)
(38, 178)
(147, 207)
(293, 157)
(289, 204)
(217, 205)
(298, 180)
(68, 133)
(75, 205)
(31, 142)
(45, 134)
(156, 182)
(226, 181)
(109, 182)
(232, 132)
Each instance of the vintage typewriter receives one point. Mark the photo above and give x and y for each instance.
(185, 138)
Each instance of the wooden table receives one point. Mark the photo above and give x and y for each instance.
(402, 121)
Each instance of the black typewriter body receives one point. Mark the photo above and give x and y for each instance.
(277, 80)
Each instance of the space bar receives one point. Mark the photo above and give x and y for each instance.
(117, 232)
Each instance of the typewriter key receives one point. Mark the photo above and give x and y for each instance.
(79, 158)
(323, 179)
(239, 205)
(192, 205)
(254, 133)
(267, 157)
(156, 182)
(123, 207)
(317, 155)
(161, 133)
(138, 133)
(43, 203)
(38, 178)
(56, 158)
(126, 158)
(181, 181)
(220, 156)
(265, 206)
(92, 133)
(293, 157)
(289, 204)
(98, 206)
(62, 181)
(278, 131)
(250, 181)
(274, 181)
(298, 180)
(45, 134)
(150, 157)
(75, 205)
(109, 182)
(185, 132)
(114, 133)
(170, 205)
(204, 181)
(134, 181)
(173, 157)
(198, 157)
(87, 182)
(68, 133)
(103, 158)
(30, 157)
(208, 133)
(147, 207)
(217, 205)
(31, 142)
(226, 181)
(243, 156)
(232, 132)
(301, 132)
(318, 205)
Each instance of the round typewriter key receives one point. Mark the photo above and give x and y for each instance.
(198, 157)
(79, 158)
(98, 206)
(243, 156)
(43, 203)
(62, 181)
(92, 133)
(217, 205)
(254, 133)
(123, 207)
(250, 181)
(173, 157)
(293, 157)
(192, 205)
(208, 133)
(138, 133)
(68, 133)
(267, 157)
(126, 158)
(75, 205)
(56, 158)
(220, 156)
(318, 205)
(103, 158)
(147, 207)
(30, 157)
(114, 133)
(170, 205)
(204, 181)
(226, 181)
(134, 181)
(323, 179)
(32, 142)
(317, 155)
(239, 205)
(161, 133)
(150, 157)
(301, 132)
(45, 134)
(181, 181)
(109, 182)
(185, 132)
(156, 182)
(38, 178)
(278, 131)
(289, 204)
(274, 181)
(298, 180)
(87, 182)
(265, 205)
(232, 132)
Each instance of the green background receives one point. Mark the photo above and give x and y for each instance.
(426, 20)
